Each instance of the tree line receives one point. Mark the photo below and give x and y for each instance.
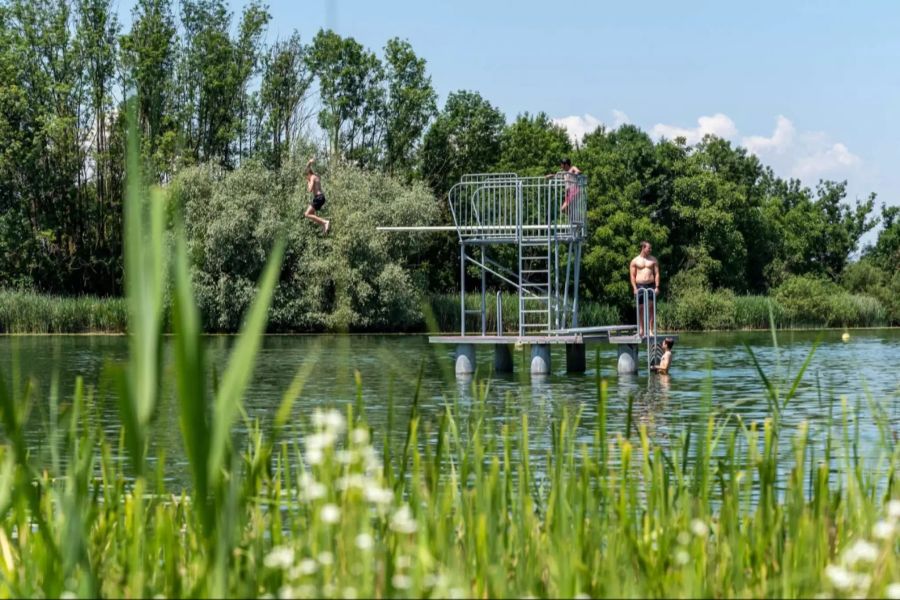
(208, 89)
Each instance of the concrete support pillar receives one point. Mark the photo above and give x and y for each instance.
(540, 359)
(465, 359)
(628, 358)
(575, 358)
(503, 360)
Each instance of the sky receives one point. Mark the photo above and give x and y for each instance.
(811, 87)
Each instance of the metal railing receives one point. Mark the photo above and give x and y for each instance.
(501, 207)
(643, 300)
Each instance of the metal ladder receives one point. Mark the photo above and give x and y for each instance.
(535, 286)
(654, 351)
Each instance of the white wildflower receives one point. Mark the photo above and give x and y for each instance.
(313, 491)
(330, 419)
(281, 557)
(345, 457)
(403, 562)
(401, 582)
(839, 577)
(378, 495)
(354, 480)
(883, 530)
(860, 551)
(307, 566)
(893, 509)
(684, 538)
(456, 593)
(330, 514)
(582, 596)
(287, 591)
(360, 436)
(403, 521)
(699, 528)
(349, 593)
(892, 591)
(315, 456)
(320, 441)
(68, 594)
(326, 558)
(682, 558)
(364, 541)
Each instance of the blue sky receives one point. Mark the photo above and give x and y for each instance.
(813, 87)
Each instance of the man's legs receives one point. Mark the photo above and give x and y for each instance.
(311, 215)
(652, 317)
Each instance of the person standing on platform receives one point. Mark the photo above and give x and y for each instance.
(570, 177)
(314, 187)
(645, 276)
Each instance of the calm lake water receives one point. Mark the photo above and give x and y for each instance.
(864, 368)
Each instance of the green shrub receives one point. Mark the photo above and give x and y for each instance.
(753, 312)
(29, 312)
(356, 278)
(811, 301)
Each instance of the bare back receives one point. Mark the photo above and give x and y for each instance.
(313, 185)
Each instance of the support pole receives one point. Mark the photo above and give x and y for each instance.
(540, 359)
(628, 357)
(483, 298)
(462, 288)
(465, 359)
(575, 358)
(503, 360)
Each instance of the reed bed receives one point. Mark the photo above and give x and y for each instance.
(30, 312)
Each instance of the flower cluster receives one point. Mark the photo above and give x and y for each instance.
(852, 574)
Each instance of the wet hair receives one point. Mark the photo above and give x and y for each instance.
(644, 244)
(669, 342)
(566, 162)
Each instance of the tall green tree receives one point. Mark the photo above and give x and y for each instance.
(285, 86)
(533, 145)
(411, 104)
(464, 138)
(149, 53)
(352, 95)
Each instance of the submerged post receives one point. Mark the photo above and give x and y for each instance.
(575, 358)
(503, 360)
(540, 359)
(628, 356)
(465, 359)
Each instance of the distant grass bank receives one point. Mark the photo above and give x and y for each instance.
(29, 312)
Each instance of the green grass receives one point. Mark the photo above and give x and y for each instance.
(458, 507)
(29, 312)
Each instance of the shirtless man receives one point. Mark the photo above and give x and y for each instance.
(314, 187)
(645, 275)
(666, 360)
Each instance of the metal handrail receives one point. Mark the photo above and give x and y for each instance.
(648, 294)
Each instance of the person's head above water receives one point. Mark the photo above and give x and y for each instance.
(668, 343)
(566, 164)
(646, 248)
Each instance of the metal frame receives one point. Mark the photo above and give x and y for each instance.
(504, 209)
(644, 319)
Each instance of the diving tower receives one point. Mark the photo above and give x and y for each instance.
(526, 235)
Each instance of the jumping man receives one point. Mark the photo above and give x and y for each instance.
(645, 276)
(314, 187)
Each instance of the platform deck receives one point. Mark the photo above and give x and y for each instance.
(575, 338)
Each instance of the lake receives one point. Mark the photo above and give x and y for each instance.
(861, 369)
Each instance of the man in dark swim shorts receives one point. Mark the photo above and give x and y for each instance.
(645, 276)
(314, 187)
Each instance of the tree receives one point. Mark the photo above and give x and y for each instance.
(352, 95)
(464, 138)
(533, 145)
(148, 56)
(887, 247)
(411, 103)
(285, 84)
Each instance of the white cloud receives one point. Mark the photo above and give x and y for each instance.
(781, 138)
(578, 126)
(835, 158)
(619, 118)
(718, 124)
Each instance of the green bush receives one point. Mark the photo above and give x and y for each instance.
(753, 312)
(811, 301)
(356, 278)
